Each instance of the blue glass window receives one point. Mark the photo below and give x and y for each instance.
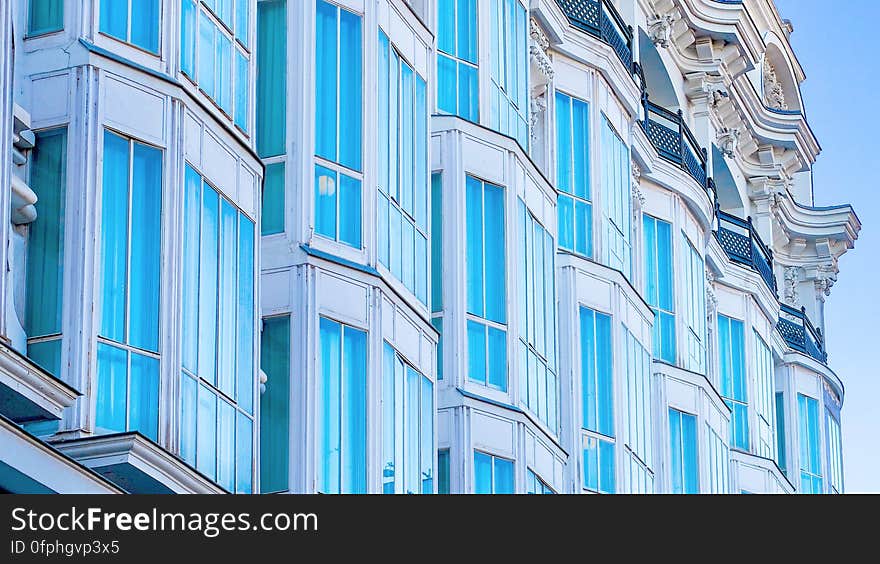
(765, 404)
(218, 336)
(407, 427)
(272, 216)
(718, 455)
(486, 286)
(457, 70)
(342, 409)
(136, 22)
(731, 361)
(808, 435)
(616, 176)
(573, 175)
(835, 452)
(509, 69)
(443, 471)
(536, 486)
(45, 16)
(271, 106)
(695, 309)
(599, 466)
(275, 405)
(338, 206)
(780, 433)
(597, 372)
(537, 321)
(403, 178)
(683, 452)
(492, 475)
(45, 261)
(639, 421)
(659, 285)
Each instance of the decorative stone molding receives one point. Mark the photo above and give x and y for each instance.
(711, 297)
(727, 140)
(638, 197)
(790, 289)
(660, 29)
(538, 47)
(774, 96)
(826, 276)
(537, 109)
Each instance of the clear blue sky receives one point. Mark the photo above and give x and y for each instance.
(836, 44)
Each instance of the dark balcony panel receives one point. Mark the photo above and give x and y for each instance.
(744, 246)
(800, 334)
(601, 19)
(673, 140)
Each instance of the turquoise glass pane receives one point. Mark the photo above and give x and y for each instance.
(447, 85)
(476, 335)
(228, 299)
(411, 433)
(144, 401)
(246, 318)
(244, 454)
(607, 480)
(443, 472)
(482, 473)
(206, 427)
(188, 412)
(468, 92)
(383, 108)
(563, 144)
(47, 355)
(421, 268)
(112, 389)
(649, 231)
(242, 87)
(146, 252)
(665, 293)
(272, 215)
(583, 221)
(224, 73)
(354, 439)
(467, 30)
(326, 86)
(446, 26)
(420, 188)
(350, 211)
(498, 359)
(474, 259)
(275, 405)
(45, 260)
(580, 118)
(350, 89)
(407, 255)
(226, 445)
(271, 107)
(45, 16)
(325, 202)
(426, 440)
(192, 207)
(144, 24)
(384, 228)
(565, 207)
(496, 294)
(207, 54)
(780, 431)
(114, 236)
(188, 12)
(329, 432)
(208, 284)
(591, 465)
(437, 322)
(241, 20)
(588, 368)
(114, 18)
(503, 476)
(689, 453)
(389, 359)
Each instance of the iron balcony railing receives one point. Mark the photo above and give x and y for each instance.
(799, 333)
(743, 245)
(674, 141)
(601, 19)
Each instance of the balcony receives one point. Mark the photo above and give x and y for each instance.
(744, 246)
(600, 19)
(672, 138)
(799, 333)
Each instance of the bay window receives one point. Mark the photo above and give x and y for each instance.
(338, 124)
(45, 250)
(342, 408)
(537, 321)
(492, 474)
(403, 171)
(486, 284)
(407, 427)
(808, 435)
(732, 375)
(683, 471)
(659, 285)
(132, 21)
(218, 377)
(616, 177)
(509, 70)
(127, 397)
(457, 66)
(573, 175)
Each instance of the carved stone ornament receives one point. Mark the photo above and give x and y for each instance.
(790, 290)
(537, 108)
(727, 141)
(660, 29)
(638, 197)
(711, 298)
(826, 276)
(538, 47)
(774, 95)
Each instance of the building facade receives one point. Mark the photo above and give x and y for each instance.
(423, 246)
